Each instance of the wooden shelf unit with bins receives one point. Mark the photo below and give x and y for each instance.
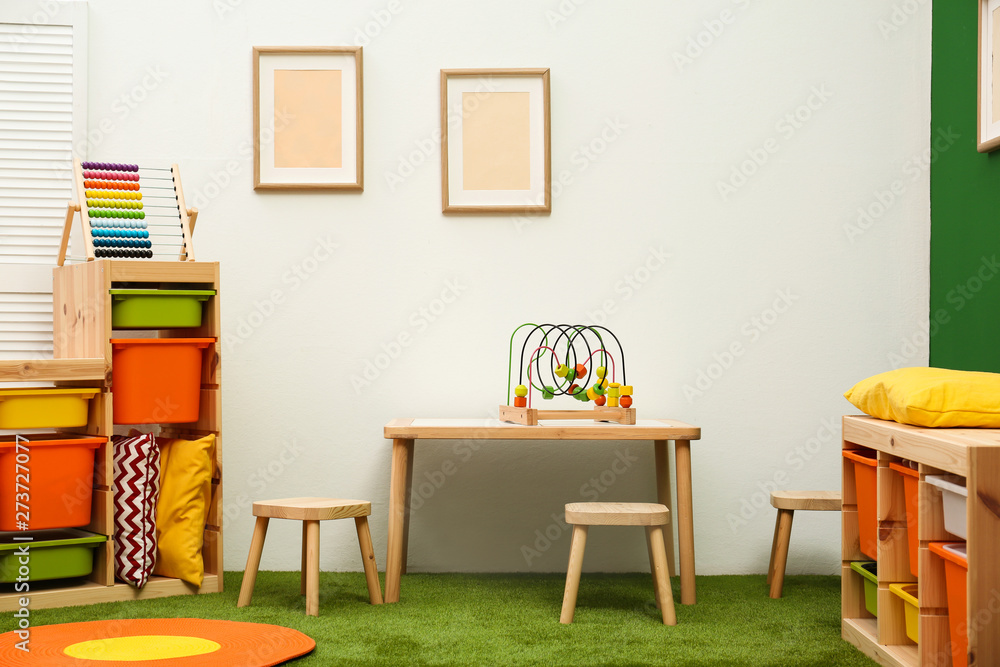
(970, 453)
(82, 328)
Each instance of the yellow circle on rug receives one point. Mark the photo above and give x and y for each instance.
(141, 647)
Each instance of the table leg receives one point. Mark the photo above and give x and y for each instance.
(312, 568)
(399, 510)
(665, 497)
(685, 519)
(408, 494)
(253, 561)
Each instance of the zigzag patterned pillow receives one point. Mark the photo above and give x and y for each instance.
(137, 488)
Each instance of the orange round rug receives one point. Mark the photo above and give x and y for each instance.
(155, 642)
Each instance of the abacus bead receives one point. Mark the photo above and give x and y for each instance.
(520, 401)
(141, 215)
(520, 390)
(625, 401)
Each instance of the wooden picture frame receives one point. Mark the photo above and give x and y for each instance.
(988, 86)
(496, 146)
(308, 118)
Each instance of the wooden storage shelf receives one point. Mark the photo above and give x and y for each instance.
(971, 453)
(82, 333)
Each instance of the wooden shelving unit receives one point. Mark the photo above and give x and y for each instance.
(971, 453)
(82, 333)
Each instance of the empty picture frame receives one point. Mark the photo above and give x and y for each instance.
(988, 115)
(308, 119)
(495, 141)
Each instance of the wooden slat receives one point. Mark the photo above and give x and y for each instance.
(104, 567)
(893, 548)
(90, 370)
(946, 449)
(137, 270)
(93, 593)
(861, 632)
(935, 639)
(983, 513)
(891, 618)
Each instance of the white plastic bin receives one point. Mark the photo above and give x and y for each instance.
(954, 494)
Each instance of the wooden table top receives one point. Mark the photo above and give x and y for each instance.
(492, 429)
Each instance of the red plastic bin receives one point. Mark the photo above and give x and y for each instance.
(157, 380)
(866, 484)
(56, 476)
(910, 479)
(956, 574)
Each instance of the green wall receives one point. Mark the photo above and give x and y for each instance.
(965, 204)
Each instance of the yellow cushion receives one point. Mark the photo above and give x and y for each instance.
(934, 397)
(182, 510)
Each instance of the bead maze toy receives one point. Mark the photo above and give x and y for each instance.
(130, 212)
(562, 355)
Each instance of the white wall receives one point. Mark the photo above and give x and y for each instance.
(172, 82)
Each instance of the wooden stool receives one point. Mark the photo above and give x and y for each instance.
(786, 503)
(652, 516)
(310, 511)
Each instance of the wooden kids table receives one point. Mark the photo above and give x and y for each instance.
(405, 432)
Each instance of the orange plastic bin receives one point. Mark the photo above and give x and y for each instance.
(157, 380)
(910, 479)
(866, 484)
(56, 474)
(956, 573)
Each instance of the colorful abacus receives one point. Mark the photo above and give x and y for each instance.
(128, 219)
(568, 350)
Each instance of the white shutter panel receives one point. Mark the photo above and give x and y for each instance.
(42, 117)
(36, 141)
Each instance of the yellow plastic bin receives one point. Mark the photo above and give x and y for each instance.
(44, 408)
(908, 594)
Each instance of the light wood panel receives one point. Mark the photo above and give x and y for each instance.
(661, 429)
(93, 593)
(91, 372)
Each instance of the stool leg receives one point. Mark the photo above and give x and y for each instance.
(774, 546)
(573, 572)
(656, 589)
(312, 568)
(782, 537)
(368, 558)
(305, 565)
(253, 561)
(661, 574)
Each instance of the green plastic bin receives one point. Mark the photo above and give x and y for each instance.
(157, 308)
(869, 570)
(52, 554)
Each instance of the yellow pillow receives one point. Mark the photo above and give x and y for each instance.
(934, 397)
(181, 512)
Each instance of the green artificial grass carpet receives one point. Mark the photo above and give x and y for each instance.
(505, 619)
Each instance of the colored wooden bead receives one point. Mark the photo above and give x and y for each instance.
(570, 374)
(520, 390)
(612, 401)
(613, 391)
(520, 402)
(598, 389)
(581, 396)
(626, 390)
(600, 401)
(573, 389)
(626, 401)
(601, 372)
(591, 395)
(581, 370)
(548, 392)
(562, 370)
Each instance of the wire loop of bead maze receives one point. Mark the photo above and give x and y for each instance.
(562, 354)
(129, 212)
